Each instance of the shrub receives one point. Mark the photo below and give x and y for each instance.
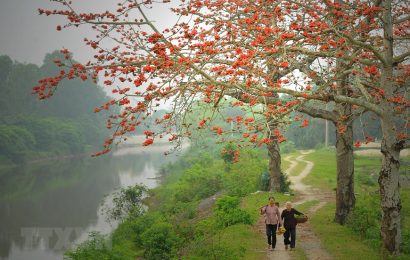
(96, 247)
(127, 202)
(227, 212)
(159, 242)
(141, 224)
(264, 181)
(365, 217)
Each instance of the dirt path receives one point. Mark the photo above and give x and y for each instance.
(306, 239)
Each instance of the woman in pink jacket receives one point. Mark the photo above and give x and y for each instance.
(272, 221)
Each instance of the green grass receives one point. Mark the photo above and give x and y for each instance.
(246, 240)
(348, 244)
(323, 175)
(284, 163)
(298, 168)
(123, 241)
(339, 241)
(304, 207)
(405, 211)
(234, 242)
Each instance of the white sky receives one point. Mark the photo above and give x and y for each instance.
(26, 36)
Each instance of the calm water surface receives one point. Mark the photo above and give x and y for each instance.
(49, 206)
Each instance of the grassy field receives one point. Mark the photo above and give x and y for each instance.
(323, 175)
(299, 167)
(339, 241)
(285, 164)
(349, 245)
(307, 205)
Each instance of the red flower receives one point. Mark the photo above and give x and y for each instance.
(148, 142)
(202, 123)
(305, 123)
(371, 70)
(218, 130)
(284, 64)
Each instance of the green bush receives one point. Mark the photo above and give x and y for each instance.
(184, 210)
(159, 242)
(126, 203)
(264, 181)
(15, 141)
(139, 225)
(365, 217)
(365, 220)
(284, 182)
(228, 213)
(96, 247)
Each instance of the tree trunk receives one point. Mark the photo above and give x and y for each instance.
(345, 199)
(389, 173)
(274, 169)
(390, 191)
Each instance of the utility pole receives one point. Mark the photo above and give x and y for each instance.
(326, 133)
(326, 130)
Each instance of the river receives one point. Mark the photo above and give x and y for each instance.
(48, 207)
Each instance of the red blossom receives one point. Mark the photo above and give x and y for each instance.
(371, 69)
(284, 64)
(148, 141)
(305, 123)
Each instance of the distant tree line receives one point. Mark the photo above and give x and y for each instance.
(31, 128)
(314, 135)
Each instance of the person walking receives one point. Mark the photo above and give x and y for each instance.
(289, 222)
(272, 220)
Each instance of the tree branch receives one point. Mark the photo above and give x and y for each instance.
(402, 19)
(401, 57)
(115, 23)
(317, 112)
(363, 45)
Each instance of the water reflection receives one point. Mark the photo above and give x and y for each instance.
(63, 198)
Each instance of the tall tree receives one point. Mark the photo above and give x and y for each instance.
(229, 47)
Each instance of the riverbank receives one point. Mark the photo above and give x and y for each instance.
(65, 195)
(202, 204)
(177, 221)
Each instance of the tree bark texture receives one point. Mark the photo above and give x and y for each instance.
(345, 198)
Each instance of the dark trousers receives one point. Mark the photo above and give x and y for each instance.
(290, 232)
(271, 234)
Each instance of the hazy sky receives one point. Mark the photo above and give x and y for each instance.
(26, 36)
